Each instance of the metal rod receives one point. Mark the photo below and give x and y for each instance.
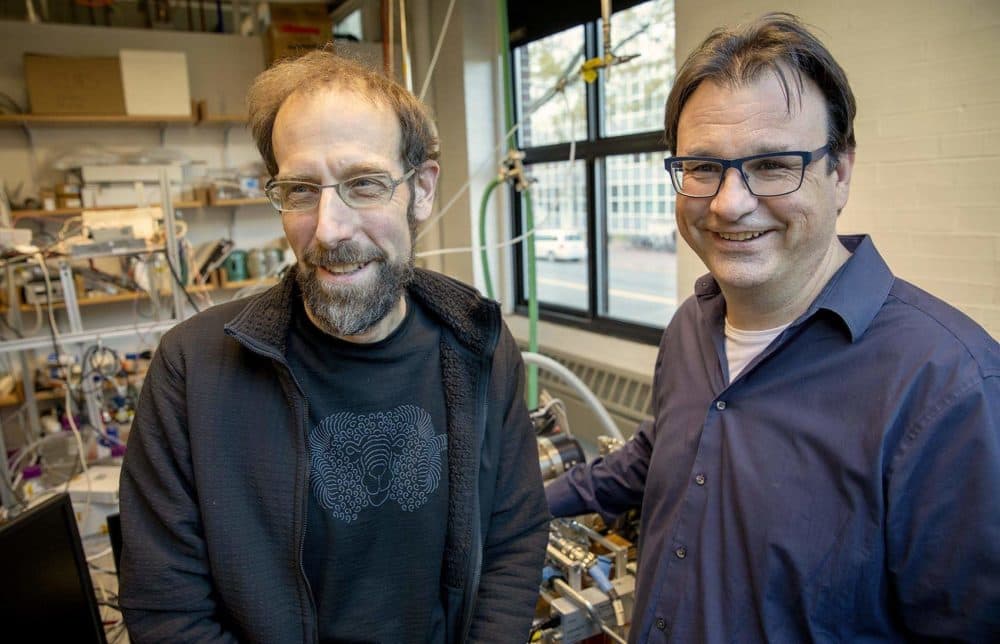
(69, 297)
(173, 254)
(87, 336)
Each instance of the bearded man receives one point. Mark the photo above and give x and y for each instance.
(346, 457)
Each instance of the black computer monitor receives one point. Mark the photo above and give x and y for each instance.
(46, 592)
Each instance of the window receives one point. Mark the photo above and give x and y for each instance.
(620, 277)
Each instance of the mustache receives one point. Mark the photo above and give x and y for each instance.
(345, 252)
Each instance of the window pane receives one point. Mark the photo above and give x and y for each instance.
(636, 92)
(642, 241)
(548, 118)
(559, 204)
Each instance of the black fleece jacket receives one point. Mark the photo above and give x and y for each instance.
(214, 485)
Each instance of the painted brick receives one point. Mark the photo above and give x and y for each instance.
(904, 148)
(980, 219)
(966, 144)
(958, 94)
(894, 244)
(959, 269)
(969, 43)
(977, 171)
(954, 245)
(940, 174)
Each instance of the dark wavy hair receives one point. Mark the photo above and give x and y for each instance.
(321, 69)
(775, 42)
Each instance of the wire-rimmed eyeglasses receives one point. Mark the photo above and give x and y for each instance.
(772, 174)
(364, 191)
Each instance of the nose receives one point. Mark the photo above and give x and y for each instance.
(734, 198)
(336, 221)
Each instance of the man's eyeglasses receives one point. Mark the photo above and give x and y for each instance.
(365, 191)
(766, 175)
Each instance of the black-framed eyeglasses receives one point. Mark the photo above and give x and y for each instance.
(772, 174)
(365, 191)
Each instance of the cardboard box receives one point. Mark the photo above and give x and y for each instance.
(292, 40)
(296, 29)
(300, 13)
(155, 82)
(74, 85)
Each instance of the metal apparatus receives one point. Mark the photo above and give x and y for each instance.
(588, 583)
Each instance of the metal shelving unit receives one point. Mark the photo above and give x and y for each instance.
(77, 334)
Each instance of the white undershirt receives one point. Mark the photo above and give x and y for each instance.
(743, 346)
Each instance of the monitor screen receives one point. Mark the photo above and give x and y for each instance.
(46, 593)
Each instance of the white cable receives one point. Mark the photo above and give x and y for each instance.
(405, 48)
(38, 320)
(48, 289)
(571, 379)
(555, 402)
(437, 51)
(461, 191)
(82, 521)
(465, 186)
(103, 553)
(466, 249)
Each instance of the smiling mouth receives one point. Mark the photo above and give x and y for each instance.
(345, 269)
(739, 237)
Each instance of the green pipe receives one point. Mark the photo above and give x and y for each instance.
(508, 84)
(529, 253)
(529, 220)
(483, 250)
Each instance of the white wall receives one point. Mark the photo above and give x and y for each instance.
(926, 182)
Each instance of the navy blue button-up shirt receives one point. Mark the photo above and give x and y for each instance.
(845, 487)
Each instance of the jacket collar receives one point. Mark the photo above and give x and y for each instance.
(266, 318)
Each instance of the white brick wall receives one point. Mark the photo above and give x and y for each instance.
(926, 183)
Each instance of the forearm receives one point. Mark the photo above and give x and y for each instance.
(608, 485)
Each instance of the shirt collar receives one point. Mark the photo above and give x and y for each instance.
(854, 294)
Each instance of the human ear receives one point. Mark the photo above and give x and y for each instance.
(424, 187)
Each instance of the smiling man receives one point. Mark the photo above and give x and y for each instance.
(824, 462)
(346, 457)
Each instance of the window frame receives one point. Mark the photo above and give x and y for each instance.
(592, 150)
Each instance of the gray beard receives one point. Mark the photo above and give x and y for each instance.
(352, 310)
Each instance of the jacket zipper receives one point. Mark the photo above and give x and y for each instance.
(267, 353)
(476, 560)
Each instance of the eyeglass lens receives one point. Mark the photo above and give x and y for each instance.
(768, 176)
(290, 196)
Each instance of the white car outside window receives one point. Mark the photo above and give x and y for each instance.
(556, 244)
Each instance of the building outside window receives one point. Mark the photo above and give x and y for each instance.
(616, 193)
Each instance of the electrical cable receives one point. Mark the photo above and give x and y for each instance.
(557, 87)
(180, 285)
(3, 320)
(82, 520)
(426, 228)
(405, 48)
(48, 300)
(437, 51)
(103, 553)
(571, 379)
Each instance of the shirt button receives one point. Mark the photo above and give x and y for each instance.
(681, 552)
(661, 623)
(699, 479)
(720, 404)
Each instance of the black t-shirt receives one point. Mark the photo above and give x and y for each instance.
(378, 502)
